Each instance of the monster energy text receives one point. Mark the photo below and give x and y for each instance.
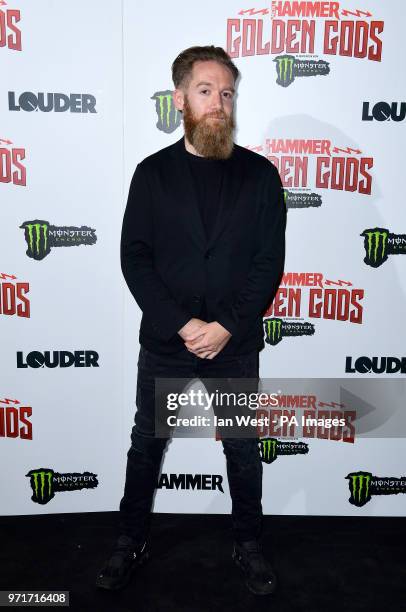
(45, 482)
(40, 236)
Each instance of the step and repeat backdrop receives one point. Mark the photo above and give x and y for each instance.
(85, 96)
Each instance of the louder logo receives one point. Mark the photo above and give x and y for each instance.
(10, 33)
(375, 365)
(47, 102)
(58, 359)
(384, 111)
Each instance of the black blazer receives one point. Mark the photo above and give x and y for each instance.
(170, 266)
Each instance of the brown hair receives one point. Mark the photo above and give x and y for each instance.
(183, 65)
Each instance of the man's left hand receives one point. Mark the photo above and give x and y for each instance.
(208, 341)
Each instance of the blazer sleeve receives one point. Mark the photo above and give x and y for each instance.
(159, 307)
(267, 264)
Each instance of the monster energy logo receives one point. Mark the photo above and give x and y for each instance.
(42, 485)
(363, 485)
(302, 200)
(288, 68)
(360, 488)
(273, 330)
(37, 238)
(45, 482)
(168, 115)
(284, 69)
(276, 329)
(271, 448)
(379, 243)
(40, 236)
(375, 243)
(268, 448)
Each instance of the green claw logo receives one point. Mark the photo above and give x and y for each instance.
(37, 238)
(42, 485)
(284, 69)
(376, 246)
(268, 449)
(168, 115)
(273, 330)
(360, 488)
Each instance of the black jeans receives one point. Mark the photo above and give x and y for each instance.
(244, 466)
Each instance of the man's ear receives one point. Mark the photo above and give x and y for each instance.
(178, 99)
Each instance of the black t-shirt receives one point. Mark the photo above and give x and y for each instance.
(207, 177)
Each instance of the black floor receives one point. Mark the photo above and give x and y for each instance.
(323, 563)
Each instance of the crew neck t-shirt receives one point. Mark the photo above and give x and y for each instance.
(207, 177)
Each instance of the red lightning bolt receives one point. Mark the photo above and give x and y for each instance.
(347, 150)
(254, 12)
(6, 141)
(357, 13)
(4, 276)
(9, 401)
(340, 283)
(331, 404)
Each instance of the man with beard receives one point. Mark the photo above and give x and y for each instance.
(202, 252)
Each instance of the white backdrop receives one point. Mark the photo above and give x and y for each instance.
(78, 166)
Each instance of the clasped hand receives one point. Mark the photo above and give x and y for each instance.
(203, 339)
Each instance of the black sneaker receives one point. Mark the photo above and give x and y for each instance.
(260, 578)
(117, 572)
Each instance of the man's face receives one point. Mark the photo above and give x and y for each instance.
(207, 103)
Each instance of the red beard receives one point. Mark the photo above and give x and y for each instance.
(211, 138)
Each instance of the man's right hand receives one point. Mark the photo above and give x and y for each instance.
(190, 328)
